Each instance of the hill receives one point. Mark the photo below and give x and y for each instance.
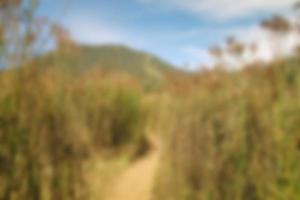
(144, 66)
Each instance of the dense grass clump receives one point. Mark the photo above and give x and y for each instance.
(236, 136)
(50, 124)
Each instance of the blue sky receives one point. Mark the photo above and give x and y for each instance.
(179, 31)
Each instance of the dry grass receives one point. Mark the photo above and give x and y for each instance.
(227, 135)
(235, 136)
(51, 123)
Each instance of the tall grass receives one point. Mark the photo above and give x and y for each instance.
(235, 136)
(51, 123)
(227, 135)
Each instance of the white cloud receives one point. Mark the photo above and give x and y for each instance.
(268, 46)
(88, 31)
(198, 57)
(224, 9)
(257, 35)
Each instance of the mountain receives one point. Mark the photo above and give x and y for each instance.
(116, 58)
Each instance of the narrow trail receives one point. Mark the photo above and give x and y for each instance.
(136, 183)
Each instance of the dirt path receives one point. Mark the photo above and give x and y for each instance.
(136, 183)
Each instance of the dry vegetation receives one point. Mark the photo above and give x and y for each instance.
(235, 137)
(50, 125)
(226, 135)
(233, 134)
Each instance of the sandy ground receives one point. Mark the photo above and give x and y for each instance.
(136, 183)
